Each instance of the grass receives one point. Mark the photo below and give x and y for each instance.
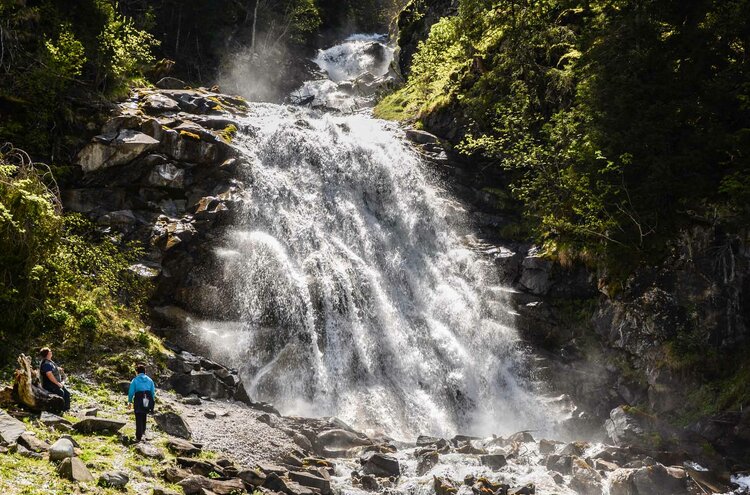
(402, 105)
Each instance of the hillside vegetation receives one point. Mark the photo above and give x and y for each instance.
(621, 123)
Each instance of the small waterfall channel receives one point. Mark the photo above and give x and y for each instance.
(357, 294)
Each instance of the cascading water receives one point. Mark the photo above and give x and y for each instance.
(357, 294)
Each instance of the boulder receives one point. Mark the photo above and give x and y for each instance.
(193, 485)
(267, 468)
(427, 461)
(159, 104)
(31, 442)
(114, 479)
(535, 273)
(23, 451)
(443, 486)
(421, 137)
(558, 463)
(493, 461)
(546, 446)
(113, 149)
(312, 481)
(10, 428)
(277, 484)
(150, 451)
(199, 466)
(74, 469)
(661, 480)
(381, 465)
(61, 449)
(585, 480)
(182, 447)
(163, 491)
(621, 482)
(173, 424)
(252, 477)
(54, 421)
(98, 425)
(175, 474)
(166, 175)
(170, 83)
(203, 383)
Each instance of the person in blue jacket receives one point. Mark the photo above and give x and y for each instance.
(141, 394)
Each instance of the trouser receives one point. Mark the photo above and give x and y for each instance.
(140, 425)
(62, 392)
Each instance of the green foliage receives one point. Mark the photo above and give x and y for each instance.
(619, 123)
(59, 279)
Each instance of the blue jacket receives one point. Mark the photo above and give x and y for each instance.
(141, 383)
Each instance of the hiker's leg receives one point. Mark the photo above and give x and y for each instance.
(140, 425)
(66, 397)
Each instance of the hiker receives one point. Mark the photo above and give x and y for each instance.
(142, 394)
(51, 376)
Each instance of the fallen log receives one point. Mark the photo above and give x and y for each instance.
(27, 393)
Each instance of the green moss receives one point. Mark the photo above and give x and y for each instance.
(228, 133)
(401, 105)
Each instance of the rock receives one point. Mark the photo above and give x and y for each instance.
(521, 436)
(114, 479)
(275, 483)
(193, 485)
(159, 104)
(146, 471)
(61, 449)
(621, 482)
(10, 428)
(369, 483)
(494, 461)
(199, 466)
(74, 469)
(558, 463)
(210, 414)
(192, 400)
(339, 439)
(71, 439)
(292, 460)
(380, 465)
(31, 442)
(267, 468)
(170, 83)
(23, 451)
(546, 446)
(163, 491)
(123, 386)
(173, 424)
(574, 448)
(54, 421)
(585, 480)
(150, 451)
(529, 489)
(202, 383)
(427, 461)
(535, 274)
(182, 447)
(443, 486)
(469, 448)
(661, 480)
(253, 477)
(312, 481)
(421, 137)
(98, 425)
(93, 411)
(174, 474)
(110, 150)
(166, 175)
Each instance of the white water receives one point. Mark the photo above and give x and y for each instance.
(358, 295)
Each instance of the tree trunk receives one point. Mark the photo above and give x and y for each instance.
(29, 394)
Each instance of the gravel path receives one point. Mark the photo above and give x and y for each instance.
(235, 431)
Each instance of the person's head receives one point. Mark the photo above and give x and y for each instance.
(45, 353)
(140, 368)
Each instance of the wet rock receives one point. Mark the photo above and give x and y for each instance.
(469, 448)
(182, 447)
(110, 150)
(61, 449)
(427, 461)
(369, 483)
(275, 483)
(560, 464)
(521, 436)
(546, 446)
(444, 486)
(194, 485)
(73, 469)
(585, 480)
(10, 428)
(494, 461)
(114, 479)
(172, 424)
(31, 442)
(312, 481)
(574, 448)
(339, 439)
(421, 137)
(380, 465)
(166, 175)
(535, 273)
(529, 489)
(150, 451)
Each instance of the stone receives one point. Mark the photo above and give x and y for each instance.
(73, 469)
(339, 439)
(210, 414)
(381, 465)
(170, 83)
(546, 446)
(23, 451)
(193, 485)
(31, 442)
(61, 449)
(469, 448)
(110, 150)
(192, 400)
(173, 424)
(312, 481)
(494, 461)
(199, 466)
(54, 421)
(661, 480)
(175, 474)
(292, 460)
(182, 447)
(427, 461)
(98, 425)
(158, 104)
(10, 428)
(584, 479)
(253, 477)
(166, 175)
(369, 483)
(621, 482)
(150, 451)
(93, 411)
(522, 437)
(163, 491)
(558, 463)
(203, 383)
(114, 479)
(443, 486)
(267, 468)
(277, 484)
(71, 439)
(529, 489)
(535, 273)
(574, 448)
(421, 137)
(146, 471)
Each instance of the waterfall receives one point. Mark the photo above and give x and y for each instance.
(357, 291)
